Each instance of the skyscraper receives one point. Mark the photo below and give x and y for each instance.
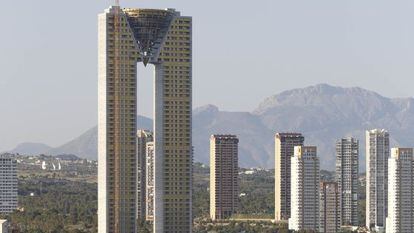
(284, 147)
(224, 170)
(8, 184)
(330, 208)
(347, 171)
(143, 137)
(162, 38)
(377, 153)
(304, 189)
(4, 226)
(150, 177)
(400, 194)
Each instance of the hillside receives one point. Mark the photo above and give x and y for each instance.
(30, 148)
(323, 113)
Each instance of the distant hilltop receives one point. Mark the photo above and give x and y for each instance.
(323, 113)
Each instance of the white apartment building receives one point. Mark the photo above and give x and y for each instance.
(330, 208)
(347, 172)
(284, 147)
(377, 154)
(305, 181)
(150, 177)
(4, 226)
(143, 137)
(400, 193)
(8, 184)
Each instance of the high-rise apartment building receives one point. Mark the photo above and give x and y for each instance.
(143, 137)
(377, 154)
(8, 184)
(162, 38)
(304, 193)
(224, 170)
(150, 177)
(330, 208)
(4, 226)
(347, 172)
(400, 193)
(284, 148)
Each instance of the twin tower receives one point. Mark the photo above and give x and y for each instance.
(162, 38)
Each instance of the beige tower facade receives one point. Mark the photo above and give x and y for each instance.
(143, 137)
(305, 181)
(377, 154)
(284, 148)
(224, 170)
(330, 208)
(400, 193)
(162, 38)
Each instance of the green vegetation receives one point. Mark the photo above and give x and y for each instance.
(238, 227)
(256, 205)
(201, 193)
(260, 198)
(63, 203)
(57, 206)
(362, 202)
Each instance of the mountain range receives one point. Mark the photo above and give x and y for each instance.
(323, 113)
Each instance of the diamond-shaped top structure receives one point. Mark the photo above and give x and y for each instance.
(150, 27)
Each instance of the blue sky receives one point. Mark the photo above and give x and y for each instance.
(244, 51)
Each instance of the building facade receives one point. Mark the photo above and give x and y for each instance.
(224, 170)
(284, 148)
(143, 137)
(8, 184)
(162, 38)
(150, 176)
(4, 226)
(400, 193)
(377, 154)
(347, 173)
(330, 208)
(305, 183)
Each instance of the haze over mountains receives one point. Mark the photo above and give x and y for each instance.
(323, 113)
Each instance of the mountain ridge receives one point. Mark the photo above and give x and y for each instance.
(323, 113)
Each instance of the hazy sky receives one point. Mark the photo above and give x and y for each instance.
(244, 51)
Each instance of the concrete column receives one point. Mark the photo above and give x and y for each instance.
(159, 149)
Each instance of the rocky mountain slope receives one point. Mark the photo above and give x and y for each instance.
(323, 113)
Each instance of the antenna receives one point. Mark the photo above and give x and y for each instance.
(116, 2)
